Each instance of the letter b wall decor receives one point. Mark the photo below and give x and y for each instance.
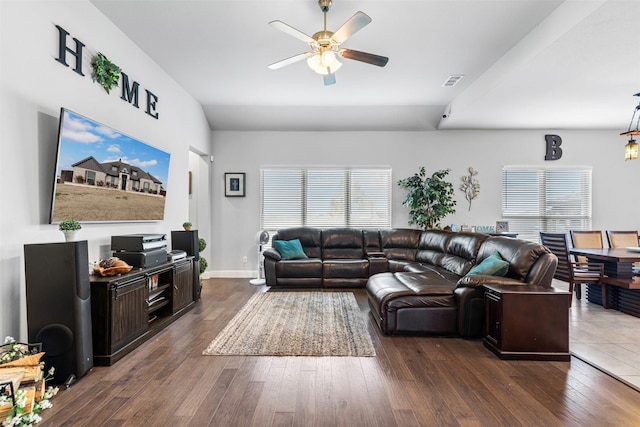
(554, 152)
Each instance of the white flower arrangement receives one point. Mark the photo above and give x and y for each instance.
(13, 351)
(17, 415)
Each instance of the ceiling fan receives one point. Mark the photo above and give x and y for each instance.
(325, 45)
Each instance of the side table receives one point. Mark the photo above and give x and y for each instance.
(527, 322)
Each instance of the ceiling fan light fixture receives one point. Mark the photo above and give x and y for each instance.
(316, 63)
(327, 58)
(325, 45)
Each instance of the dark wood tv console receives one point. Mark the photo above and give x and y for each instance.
(129, 309)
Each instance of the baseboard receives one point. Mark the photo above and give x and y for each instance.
(230, 274)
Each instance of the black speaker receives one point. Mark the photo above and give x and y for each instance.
(59, 307)
(188, 241)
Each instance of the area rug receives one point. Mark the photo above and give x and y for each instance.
(296, 324)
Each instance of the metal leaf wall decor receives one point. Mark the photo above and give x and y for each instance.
(470, 186)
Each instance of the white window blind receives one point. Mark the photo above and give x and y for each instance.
(325, 197)
(546, 199)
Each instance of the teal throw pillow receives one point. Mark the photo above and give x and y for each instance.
(290, 249)
(492, 265)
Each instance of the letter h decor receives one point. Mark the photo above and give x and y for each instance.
(63, 49)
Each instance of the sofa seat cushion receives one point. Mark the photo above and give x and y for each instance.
(405, 302)
(392, 291)
(426, 283)
(345, 268)
(298, 268)
(342, 243)
(398, 264)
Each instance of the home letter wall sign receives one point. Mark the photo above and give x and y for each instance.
(554, 152)
(129, 91)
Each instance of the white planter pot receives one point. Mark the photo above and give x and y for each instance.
(70, 235)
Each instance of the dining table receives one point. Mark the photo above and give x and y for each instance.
(618, 264)
(620, 274)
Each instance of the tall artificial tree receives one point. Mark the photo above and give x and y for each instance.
(429, 198)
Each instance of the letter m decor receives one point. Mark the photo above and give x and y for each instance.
(129, 94)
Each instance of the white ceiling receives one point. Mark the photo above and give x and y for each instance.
(528, 64)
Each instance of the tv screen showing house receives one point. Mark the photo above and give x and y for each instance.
(104, 175)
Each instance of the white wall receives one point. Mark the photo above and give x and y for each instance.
(616, 194)
(33, 87)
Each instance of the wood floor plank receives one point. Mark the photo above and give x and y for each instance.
(268, 399)
(412, 381)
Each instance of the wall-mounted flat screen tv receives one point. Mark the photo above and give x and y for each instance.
(104, 175)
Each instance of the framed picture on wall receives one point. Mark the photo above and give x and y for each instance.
(502, 226)
(234, 184)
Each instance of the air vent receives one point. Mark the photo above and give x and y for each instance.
(452, 81)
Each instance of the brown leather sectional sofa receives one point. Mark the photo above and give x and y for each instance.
(416, 280)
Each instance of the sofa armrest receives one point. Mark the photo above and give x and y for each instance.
(477, 280)
(376, 254)
(272, 254)
(378, 265)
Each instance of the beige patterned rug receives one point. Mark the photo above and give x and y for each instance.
(296, 324)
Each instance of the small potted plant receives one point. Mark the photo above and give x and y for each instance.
(69, 227)
(187, 225)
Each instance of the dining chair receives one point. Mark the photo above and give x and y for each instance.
(586, 239)
(622, 239)
(571, 271)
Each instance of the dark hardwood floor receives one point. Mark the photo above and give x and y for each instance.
(413, 381)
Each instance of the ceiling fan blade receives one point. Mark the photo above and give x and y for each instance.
(290, 60)
(369, 58)
(357, 22)
(279, 25)
(329, 79)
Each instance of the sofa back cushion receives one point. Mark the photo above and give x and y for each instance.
(455, 252)
(400, 243)
(462, 252)
(520, 254)
(309, 239)
(371, 239)
(432, 246)
(342, 243)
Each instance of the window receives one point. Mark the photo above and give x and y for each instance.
(538, 199)
(325, 197)
(91, 178)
